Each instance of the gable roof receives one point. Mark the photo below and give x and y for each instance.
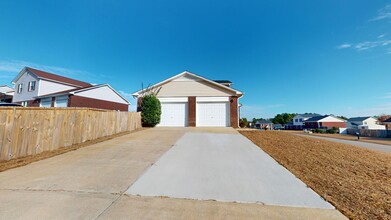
(308, 115)
(6, 89)
(239, 93)
(263, 121)
(74, 91)
(52, 77)
(318, 118)
(358, 118)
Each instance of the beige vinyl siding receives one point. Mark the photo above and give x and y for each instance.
(192, 88)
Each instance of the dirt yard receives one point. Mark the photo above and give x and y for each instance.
(356, 181)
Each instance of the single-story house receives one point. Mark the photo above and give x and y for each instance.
(37, 88)
(191, 100)
(264, 124)
(370, 123)
(6, 94)
(325, 122)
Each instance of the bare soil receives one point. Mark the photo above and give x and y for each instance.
(356, 181)
(22, 161)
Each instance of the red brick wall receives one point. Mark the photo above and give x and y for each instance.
(139, 101)
(233, 110)
(333, 124)
(78, 101)
(192, 111)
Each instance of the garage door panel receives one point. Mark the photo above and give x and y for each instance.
(212, 114)
(174, 114)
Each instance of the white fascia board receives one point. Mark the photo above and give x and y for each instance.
(212, 99)
(331, 116)
(98, 86)
(174, 99)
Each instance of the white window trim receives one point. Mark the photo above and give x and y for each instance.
(20, 88)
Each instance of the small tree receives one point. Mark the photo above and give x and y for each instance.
(243, 123)
(150, 107)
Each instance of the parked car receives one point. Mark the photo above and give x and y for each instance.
(5, 104)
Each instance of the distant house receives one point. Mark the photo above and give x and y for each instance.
(264, 124)
(387, 123)
(6, 94)
(37, 88)
(325, 122)
(298, 121)
(364, 123)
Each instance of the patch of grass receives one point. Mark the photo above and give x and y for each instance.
(356, 181)
(22, 161)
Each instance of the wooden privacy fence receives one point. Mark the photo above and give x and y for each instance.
(29, 131)
(370, 133)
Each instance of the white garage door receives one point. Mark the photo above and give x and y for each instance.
(61, 101)
(174, 114)
(212, 114)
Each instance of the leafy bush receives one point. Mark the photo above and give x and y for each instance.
(150, 111)
(317, 130)
(333, 130)
(243, 123)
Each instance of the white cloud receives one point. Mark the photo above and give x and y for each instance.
(381, 35)
(15, 66)
(366, 45)
(383, 13)
(344, 46)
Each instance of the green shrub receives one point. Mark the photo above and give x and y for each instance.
(333, 130)
(150, 111)
(317, 130)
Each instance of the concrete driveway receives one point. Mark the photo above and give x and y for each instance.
(112, 179)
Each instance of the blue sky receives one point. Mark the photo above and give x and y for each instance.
(286, 56)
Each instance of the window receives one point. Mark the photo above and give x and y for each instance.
(301, 120)
(31, 86)
(296, 120)
(20, 88)
(24, 104)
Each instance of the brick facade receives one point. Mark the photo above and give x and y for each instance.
(333, 124)
(78, 101)
(192, 111)
(325, 125)
(233, 111)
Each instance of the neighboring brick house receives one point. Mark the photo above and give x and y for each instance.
(6, 94)
(37, 88)
(194, 101)
(326, 122)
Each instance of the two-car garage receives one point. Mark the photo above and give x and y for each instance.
(210, 112)
(190, 100)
